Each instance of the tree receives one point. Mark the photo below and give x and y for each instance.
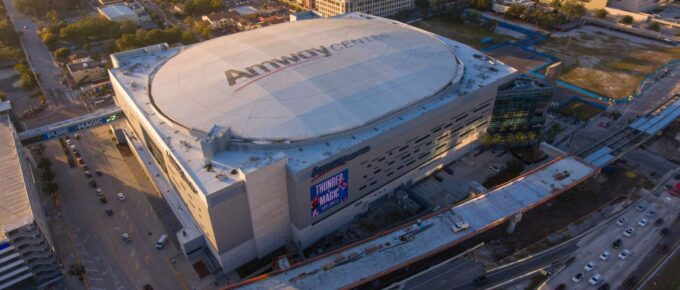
(50, 188)
(62, 53)
(601, 13)
(520, 137)
(531, 136)
(44, 163)
(556, 4)
(482, 4)
(486, 140)
(628, 20)
(49, 38)
(48, 175)
(26, 77)
(654, 26)
(573, 9)
(422, 4)
(516, 11)
(188, 37)
(497, 139)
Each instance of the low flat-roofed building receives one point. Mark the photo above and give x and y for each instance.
(245, 11)
(25, 251)
(86, 71)
(221, 20)
(383, 8)
(118, 12)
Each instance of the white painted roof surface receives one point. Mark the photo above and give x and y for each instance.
(132, 69)
(117, 10)
(15, 210)
(480, 212)
(339, 85)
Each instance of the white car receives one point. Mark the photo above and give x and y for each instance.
(121, 196)
(624, 254)
(605, 255)
(99, 191)
(595, 279)
(495, 168)
(73, 147)
(69, 142)
(628, 232)
(126, 237)
(590, 266)
(621, 221)
(643, 222)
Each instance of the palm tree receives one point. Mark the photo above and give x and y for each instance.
(511, 140)
(486, 140)
(521, 137)
(531, 136)
(497, 139)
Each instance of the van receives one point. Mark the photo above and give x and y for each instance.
(161, 241)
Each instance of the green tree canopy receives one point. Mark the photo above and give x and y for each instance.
(601, 13)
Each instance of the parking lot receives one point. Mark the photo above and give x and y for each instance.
(90, 227)
(614, 269)
(455, 186)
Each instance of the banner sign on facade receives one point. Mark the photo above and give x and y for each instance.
(329, 193)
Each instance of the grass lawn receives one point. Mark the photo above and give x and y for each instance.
(469, 34)
(668, 276)
(580, 110)
(613, 71)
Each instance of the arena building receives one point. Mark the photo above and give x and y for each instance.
(285, 133)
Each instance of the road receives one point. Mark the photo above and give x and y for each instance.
(642, 245)
(458, 274)
(61, 103)
(86, 233)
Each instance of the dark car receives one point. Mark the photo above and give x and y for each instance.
(658, 221)
(92, 183)
(569, 261)
(98, 172)
(147, 287)
(448, 170)
(664, 231)
(109, 212)
(103, 200)
(663, 249)
(77, 154)
(481, 280)
(604, 286)
(438, 178)
(617, 244)
(561, 287)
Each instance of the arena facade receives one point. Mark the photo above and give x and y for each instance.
(285, 133)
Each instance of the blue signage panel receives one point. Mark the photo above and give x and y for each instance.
(73, 128)
(329, 193)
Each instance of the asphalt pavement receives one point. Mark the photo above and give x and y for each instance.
(87, 234)
(62, 104)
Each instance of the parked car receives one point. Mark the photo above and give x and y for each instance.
(73, 147)
(495, 168)
(664, 232)
(629, 232)
(617, 244)
(92, 183)
(99, 191)
(651, 213)
(577, 278)
(120, 196)
(88, 174)
(643, 222)
(126, 237)
(605, 255)
(68, 141)
(595, 279)
(561, 287)
(77, 154)
(98, 172)
(103, 200)
(663, 248)
(448, 170)
(109, 212)
(438, 178)
(641, 206)
(604, 286)
(590, 266)
(80, 160)
(658, 222)
(621, 221)
(624, 254)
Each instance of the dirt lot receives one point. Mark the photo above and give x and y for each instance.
(615, 75)
(469, 34)
(668, 277)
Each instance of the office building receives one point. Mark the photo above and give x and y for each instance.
(520, 105)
